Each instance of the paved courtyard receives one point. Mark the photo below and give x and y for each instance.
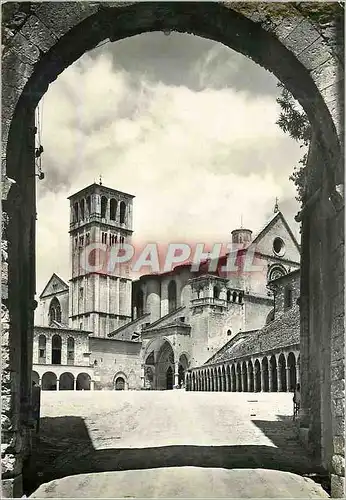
(169, 443)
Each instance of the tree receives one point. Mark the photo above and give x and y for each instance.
(294, 121)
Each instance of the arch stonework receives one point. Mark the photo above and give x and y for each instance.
(299, 43)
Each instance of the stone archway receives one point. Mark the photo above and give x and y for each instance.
(282, 380)
(251, 376)
(66, 382)
(49, 381)
(292, 372)
(287, 39)
(274, 375)
(83, 382)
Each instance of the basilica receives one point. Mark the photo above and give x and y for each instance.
(103, 330)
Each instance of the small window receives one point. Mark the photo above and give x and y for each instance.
(279, 246)
(288, 298)
(81, 241)
(229, 332)
(104, 203)
(42, 353)
(87, 238)
(122, 212)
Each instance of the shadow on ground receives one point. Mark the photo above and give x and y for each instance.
(64, 448)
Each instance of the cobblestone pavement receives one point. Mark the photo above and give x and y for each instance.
(102, 432)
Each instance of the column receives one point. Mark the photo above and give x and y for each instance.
(176, 375)
(75, 383)
(298, 373)
(57, 384)
(248, 379)
(262, 378)
(237, 381)
(227, 382)
(92, 385)
(270, 377)
(288, 372)
(279, 378)
(40, 381)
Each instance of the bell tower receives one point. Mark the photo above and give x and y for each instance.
(100, 294)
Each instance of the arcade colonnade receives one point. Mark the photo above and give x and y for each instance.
(276, 372)
(50, 380)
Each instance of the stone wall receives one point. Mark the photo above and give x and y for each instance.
(113, 357)
(302, 44)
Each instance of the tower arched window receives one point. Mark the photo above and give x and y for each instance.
(82, 208)
(70, 351)
(75, 212)
(229, 295)
(42, 349)
(172, 296)
(88, 205)
(216, 292)
(234, 296)
(56, 350)
(122, 212)
(113, 209)
(54, 311)
(140, 303)
(104, 203)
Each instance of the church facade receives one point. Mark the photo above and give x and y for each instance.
(104, 330)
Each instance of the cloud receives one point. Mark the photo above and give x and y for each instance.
(197, 156)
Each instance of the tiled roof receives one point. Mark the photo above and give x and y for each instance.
(280, 333)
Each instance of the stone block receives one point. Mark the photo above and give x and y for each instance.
(338, 463)
(338, 389)
(38, 34)
(330, 71)
(313, 56)
(339, 425)
(338, 407)
(12, 488)
(339, 445)
(25, 49)
(60, 17)
(337, 486)
(338, 372)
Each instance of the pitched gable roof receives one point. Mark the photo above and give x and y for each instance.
(269, 224)
(54, 285)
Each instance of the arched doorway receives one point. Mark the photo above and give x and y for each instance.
(49, 381)
(290, 59)
(83, 382)
(183, 367)
(66, 382)
(169, 378)
(119, 384)
(165, 367)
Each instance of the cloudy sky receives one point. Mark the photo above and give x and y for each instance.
(183, 123)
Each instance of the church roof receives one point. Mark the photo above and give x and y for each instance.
(270, 223)
(63, 286)
(282, 332)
